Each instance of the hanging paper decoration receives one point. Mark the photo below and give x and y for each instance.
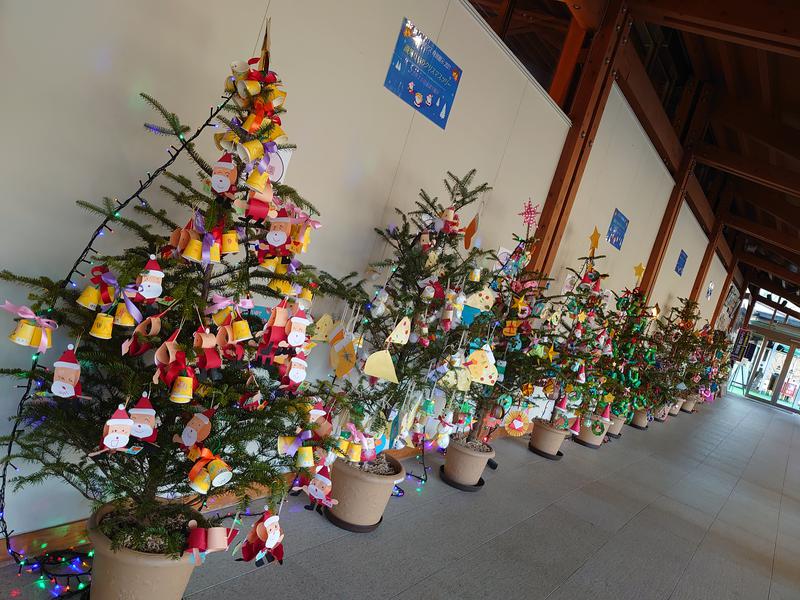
(31, 330)
(143, 416)
(481, 366)
(196, 430)
(380, 365)
(264, 542)
(319, 491)
(204, 540)
(67, 375)
(516, 422)
(401, 332)
(117, 430)
(322, 328)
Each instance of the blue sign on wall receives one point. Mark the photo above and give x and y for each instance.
(617, 229)
(681, 263)
(421, 75)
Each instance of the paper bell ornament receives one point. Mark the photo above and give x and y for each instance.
(201, 482)
(304, 457)
(228, 141)
(257, 181)
(89, 298)
(380, 365)
(401, 332)
(102, 326)
(250, 151)
(193, 252)
(182, 390)
(219, 472)
(253, 122)
(241, 331)
(305, 298)
(354, 452)
(248, 87)
(23, 333)
(230, 242)
(342, 444)
(221, 316)
(475, 275)
(285, 443)
(122, 317)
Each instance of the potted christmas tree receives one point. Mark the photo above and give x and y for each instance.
(512, 329)
(408, 333)
(150, 446)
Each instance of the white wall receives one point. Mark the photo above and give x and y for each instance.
(361, 149)
(624, 171)
(689, 237)
(716, 274)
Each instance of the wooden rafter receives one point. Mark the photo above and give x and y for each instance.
(774, 26)
(589, 13)
(764, 233)
(567, 61)
(752, 169)
(754, 122)
(768, 266)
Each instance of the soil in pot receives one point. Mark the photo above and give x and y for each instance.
(362, 492)
(122, 573)
(546, 439)
(465, 461)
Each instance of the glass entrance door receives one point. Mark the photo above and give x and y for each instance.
(788, 395)
(768, 373)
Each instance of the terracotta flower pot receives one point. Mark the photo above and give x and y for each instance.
(688, 405)
(546, 439)
(464, 466)
(592, 436)
(615, 429)
(362, 497)
(676, 407)
(639, 420)
(130, 575)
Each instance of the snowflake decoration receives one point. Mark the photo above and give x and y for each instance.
(530, 213)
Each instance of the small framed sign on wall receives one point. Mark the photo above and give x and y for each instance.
(679, 266)
(617, 229)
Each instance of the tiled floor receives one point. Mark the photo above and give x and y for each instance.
(705, 507)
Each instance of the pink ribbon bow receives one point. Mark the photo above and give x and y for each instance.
(219, 302)
(26, 313)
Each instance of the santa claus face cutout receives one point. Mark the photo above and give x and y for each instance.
(197, 429)
(278, 235)
(296, 334)
(223, 176)
(144, 419)
(319, 488)
(269, 532)
(67, 375)
(297, 370)
(117, 430)
(150, 279)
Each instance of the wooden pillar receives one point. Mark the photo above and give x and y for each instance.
(587, 109)
(724, 292)
(503, 19)
(567, 61)
(705, 264)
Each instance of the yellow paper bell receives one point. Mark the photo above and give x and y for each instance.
(220, 316)
(89, 298)
(257, 181)
(250, 151)
(341, 446)
(248, 87)
(182, 390)
(252, 123)
(475, 275)
(214, 253)
(230, 84)
(102, 326)
(219, 472)
(122, 317)
(201, 482)
(271, 264)
(284, 443)
(304, 457)
(193, 251)
(354, 452)
(228, 141)
(276, 97)
(241, 330)
(305, 297)
(23, 334)
(230, 242)
(276, 134)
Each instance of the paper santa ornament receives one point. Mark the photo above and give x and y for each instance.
(149, 282)
(264, 543)
(197, 429)
(117, 430)
(296, 328)
(66, 375)
(143, 416)
(278, 237)
(223, 175)
(319, 490)
(295, 371)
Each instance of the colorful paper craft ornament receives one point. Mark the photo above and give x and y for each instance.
(143, 416)
(67, 375)
(264, 543)
(318, 490)
(401, 332)
(196, 430)
(380, 365)
(322, 328)
(516, 422)
(117, 430)
(481, 366)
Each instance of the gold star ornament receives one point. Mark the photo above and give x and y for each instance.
(638, 270)
(595, 241)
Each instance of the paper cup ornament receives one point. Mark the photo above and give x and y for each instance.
(221, 316)
(193, 252)
(305, 298)
(247, 87)
(241, 330)
(201, 482)
(122, 317)
(219, 472)
(66, 375)
(117, 430)
(380, 365)
(102, 326)
(223, 175)
(304, 457)
(23, 333)
(257, 181)
(143, 416)
(182, 390)
(354, 452)
(230, 242)
(89, 298)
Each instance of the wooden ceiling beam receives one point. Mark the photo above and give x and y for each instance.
(770, 267)
(772, 304)
(774, 27)
(589, 13)
(765, 283)
(699, 204)
(763, 233)
(769, 201)
(754, 122)
(752, 169)
(567, 61)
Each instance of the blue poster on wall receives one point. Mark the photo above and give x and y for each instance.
(681, 263)
(421, 75)
(617, 229)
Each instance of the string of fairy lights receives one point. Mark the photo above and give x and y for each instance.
(68, 571)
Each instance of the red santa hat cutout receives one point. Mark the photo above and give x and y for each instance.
(67, 375)
(143, 416)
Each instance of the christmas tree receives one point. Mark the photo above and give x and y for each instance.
(206, 420)
(678, 352)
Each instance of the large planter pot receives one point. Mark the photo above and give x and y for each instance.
(688, 405)
(362, 497)
(592, 436)
(129, 575)
(662, 414)
(615, 429)
(546, 440)
(676, 407)
(639, 420)
(464, 466)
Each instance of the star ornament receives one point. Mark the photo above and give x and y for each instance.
(638, 270)
(530, 213)
(609, 398)
(595, 241)
(519, 303)
(551, 353)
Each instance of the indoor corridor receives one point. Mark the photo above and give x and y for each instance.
(706, 506)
